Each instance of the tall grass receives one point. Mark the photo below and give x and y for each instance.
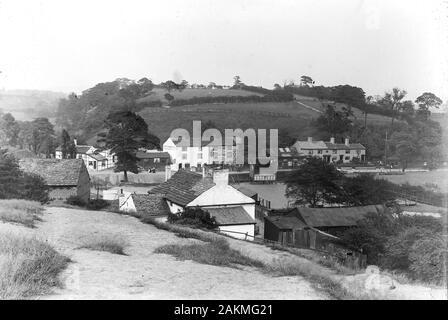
(112, 243)
(28, 267)
(217, 253)
(20, 211)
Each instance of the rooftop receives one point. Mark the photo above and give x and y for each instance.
(231, 216)
(184, 186)
(150, 204)
(55, 172)
(152, 155)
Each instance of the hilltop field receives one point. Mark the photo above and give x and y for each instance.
(293, 117)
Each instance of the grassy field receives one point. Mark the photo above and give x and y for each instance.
(20, 212)
(424, 179)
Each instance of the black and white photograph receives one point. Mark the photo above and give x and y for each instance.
(239, 152)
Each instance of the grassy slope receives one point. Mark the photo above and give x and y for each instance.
(290, 116)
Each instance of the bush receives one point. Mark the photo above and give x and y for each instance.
(97, 204)
(428, 257)
(75, 201)
(193, 217)
(20, 211)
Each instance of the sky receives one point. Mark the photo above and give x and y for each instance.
(70, 45)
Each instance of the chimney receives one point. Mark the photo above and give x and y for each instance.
(347, 142)
(310, 139)
(167, 173)
(203, 171)
(332, 140)
(221, 178)
(75, 141)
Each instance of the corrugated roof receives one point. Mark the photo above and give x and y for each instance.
(184, 186)
(336, 217)
(152, 155)
(226, 216)
(56, 172)
(150, 204)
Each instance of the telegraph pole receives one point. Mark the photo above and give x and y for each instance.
(385, 150)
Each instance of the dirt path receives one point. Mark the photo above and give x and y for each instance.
(143, 274)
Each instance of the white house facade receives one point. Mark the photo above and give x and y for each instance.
(330, 151)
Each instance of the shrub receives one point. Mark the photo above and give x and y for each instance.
(428, 257)
(193, 217)
(28, 267)
(75, 201)
(97, 204)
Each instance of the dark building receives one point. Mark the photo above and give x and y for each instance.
(153, 160)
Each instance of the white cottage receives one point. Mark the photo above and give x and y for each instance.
(233, 211)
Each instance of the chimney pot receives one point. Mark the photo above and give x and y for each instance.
(347, 141)
(332, 140)
(221, 177)
(167, 173)
(310, 139)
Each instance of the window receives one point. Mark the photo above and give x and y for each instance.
(319, 151)
(156, 160)
(347, 151)
(347, 158)
(310, 152)
(184, 149)
(335, 151)
(200, 155)
(90, 163)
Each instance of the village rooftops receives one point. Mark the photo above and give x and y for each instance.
(54, 171)
(184, 186)
(330, 145)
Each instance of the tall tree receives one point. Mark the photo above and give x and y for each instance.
(306, 81)
(10, 128)
(126, 133)
(425, 101)
(314, 183)
(42, 136)
(394, 101)
(335, 123)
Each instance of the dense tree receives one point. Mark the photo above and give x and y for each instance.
(306, 81)
(314, 183)
(42, 140)
(126, 133)
(169, 97)
(335, 123)
(237, 83)
(393, 100)
(365, 189)
(425, 101)
(9, 129)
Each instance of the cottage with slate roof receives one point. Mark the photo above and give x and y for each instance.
(330, 151)
(143, 204)
(65, 178)
(233, 210)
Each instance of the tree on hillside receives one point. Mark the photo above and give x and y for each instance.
(394, 101)
(335, 123)
(425, 101)
(9, 129)
(169, 97)
(237, 83)
(314, 183)
(42, 136)
(68, 148)
(126, 133)
(306, 81)
(365, 190)
(169, 85)
(277, 86)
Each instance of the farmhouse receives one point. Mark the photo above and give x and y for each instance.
(331, 151)
(143, 204)
(65, 178)
(232, 209)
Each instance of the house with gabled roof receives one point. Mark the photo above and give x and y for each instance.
(331, 151)
(150, 205)
(233, 211)
(64, 177)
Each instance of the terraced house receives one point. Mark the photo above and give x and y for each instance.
(331, 151)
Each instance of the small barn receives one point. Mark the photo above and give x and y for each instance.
(65, 177)
(143, 204)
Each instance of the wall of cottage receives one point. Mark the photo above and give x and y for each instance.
(62, 193)
(239, 231)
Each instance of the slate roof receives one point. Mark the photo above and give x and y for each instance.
(152, 155)
(150, 204)
(286, 222)
(246, 191)
(183, 187)
(55, 172)
(97, 156)
(336, 217)
(342, 146)
(82, 149)
(227, 216)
